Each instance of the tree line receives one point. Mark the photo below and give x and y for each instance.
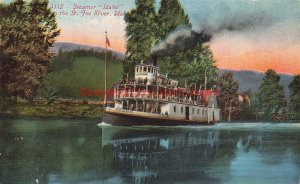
(65, 60)
(268, 103)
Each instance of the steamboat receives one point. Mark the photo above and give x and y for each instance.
(151, 98)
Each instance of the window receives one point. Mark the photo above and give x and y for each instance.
(193, 110)
(198, 111)
(174, 108)
(202, 112)
(181, 109)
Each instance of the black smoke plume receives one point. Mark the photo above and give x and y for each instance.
(181, 39)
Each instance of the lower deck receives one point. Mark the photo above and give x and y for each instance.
(170, 110)
(130, 117)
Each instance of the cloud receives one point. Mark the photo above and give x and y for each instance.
(250, 33)
(236, 15)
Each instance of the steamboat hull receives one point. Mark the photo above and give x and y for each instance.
(129, 118)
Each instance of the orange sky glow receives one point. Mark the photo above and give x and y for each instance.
(282, 61)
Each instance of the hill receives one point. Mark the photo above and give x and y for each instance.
(85, 72)
(67, 46)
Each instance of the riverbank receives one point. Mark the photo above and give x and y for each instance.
(75, 111)
(90, 111)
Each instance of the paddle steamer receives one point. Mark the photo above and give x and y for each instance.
(151, 98)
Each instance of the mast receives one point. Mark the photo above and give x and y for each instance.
(107, 43)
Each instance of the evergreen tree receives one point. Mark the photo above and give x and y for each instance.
(228, 96)
(271, 96)
(171, 15)
(141, 33)
(247, 108)
(190, 66)
(28, 30)
(295, 97)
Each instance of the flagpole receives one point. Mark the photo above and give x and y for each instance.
(205, 80)
(105, 71)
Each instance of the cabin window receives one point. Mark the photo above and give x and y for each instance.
(198, 111)
(141, 69)
(149, 70)
(202, 112)
(145, 69)
(181, 109)
(205, 112)
(174, 108)
(193, 110)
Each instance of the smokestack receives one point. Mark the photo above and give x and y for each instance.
(154, 60)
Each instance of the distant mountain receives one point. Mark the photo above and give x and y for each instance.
(67, 46)
(247, 79)
(252, 80)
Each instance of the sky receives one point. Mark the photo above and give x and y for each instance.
(246, 34)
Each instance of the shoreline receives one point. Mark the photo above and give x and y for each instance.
(83, 112)
(56, 111)
(99, 119)
(35, 117)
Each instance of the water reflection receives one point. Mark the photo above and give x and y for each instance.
(153, 157)
(52, 151)
(204, 155)
(64, 151)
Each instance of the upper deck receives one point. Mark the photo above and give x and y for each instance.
(149, 74)
(150, 85)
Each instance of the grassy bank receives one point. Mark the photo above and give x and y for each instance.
(55, 111)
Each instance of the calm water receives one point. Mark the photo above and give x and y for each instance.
(68, 151)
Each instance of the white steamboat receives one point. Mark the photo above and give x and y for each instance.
(152, 98)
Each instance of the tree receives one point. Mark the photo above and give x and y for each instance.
(28, 31)
(228, 96)
(186, 65)
(51, 96)
(190, 66)
(295, 97)
(170, 16)
(248, 106)
(271, 96)
(141, 31)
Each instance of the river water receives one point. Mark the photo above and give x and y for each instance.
(69, 151)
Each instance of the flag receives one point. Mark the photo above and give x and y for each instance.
(107, 42)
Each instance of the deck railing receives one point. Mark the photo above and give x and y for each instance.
(161, 97)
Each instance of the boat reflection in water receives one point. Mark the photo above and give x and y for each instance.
(154, 157)
(68, 151)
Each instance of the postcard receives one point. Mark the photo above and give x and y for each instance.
(149, 91)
